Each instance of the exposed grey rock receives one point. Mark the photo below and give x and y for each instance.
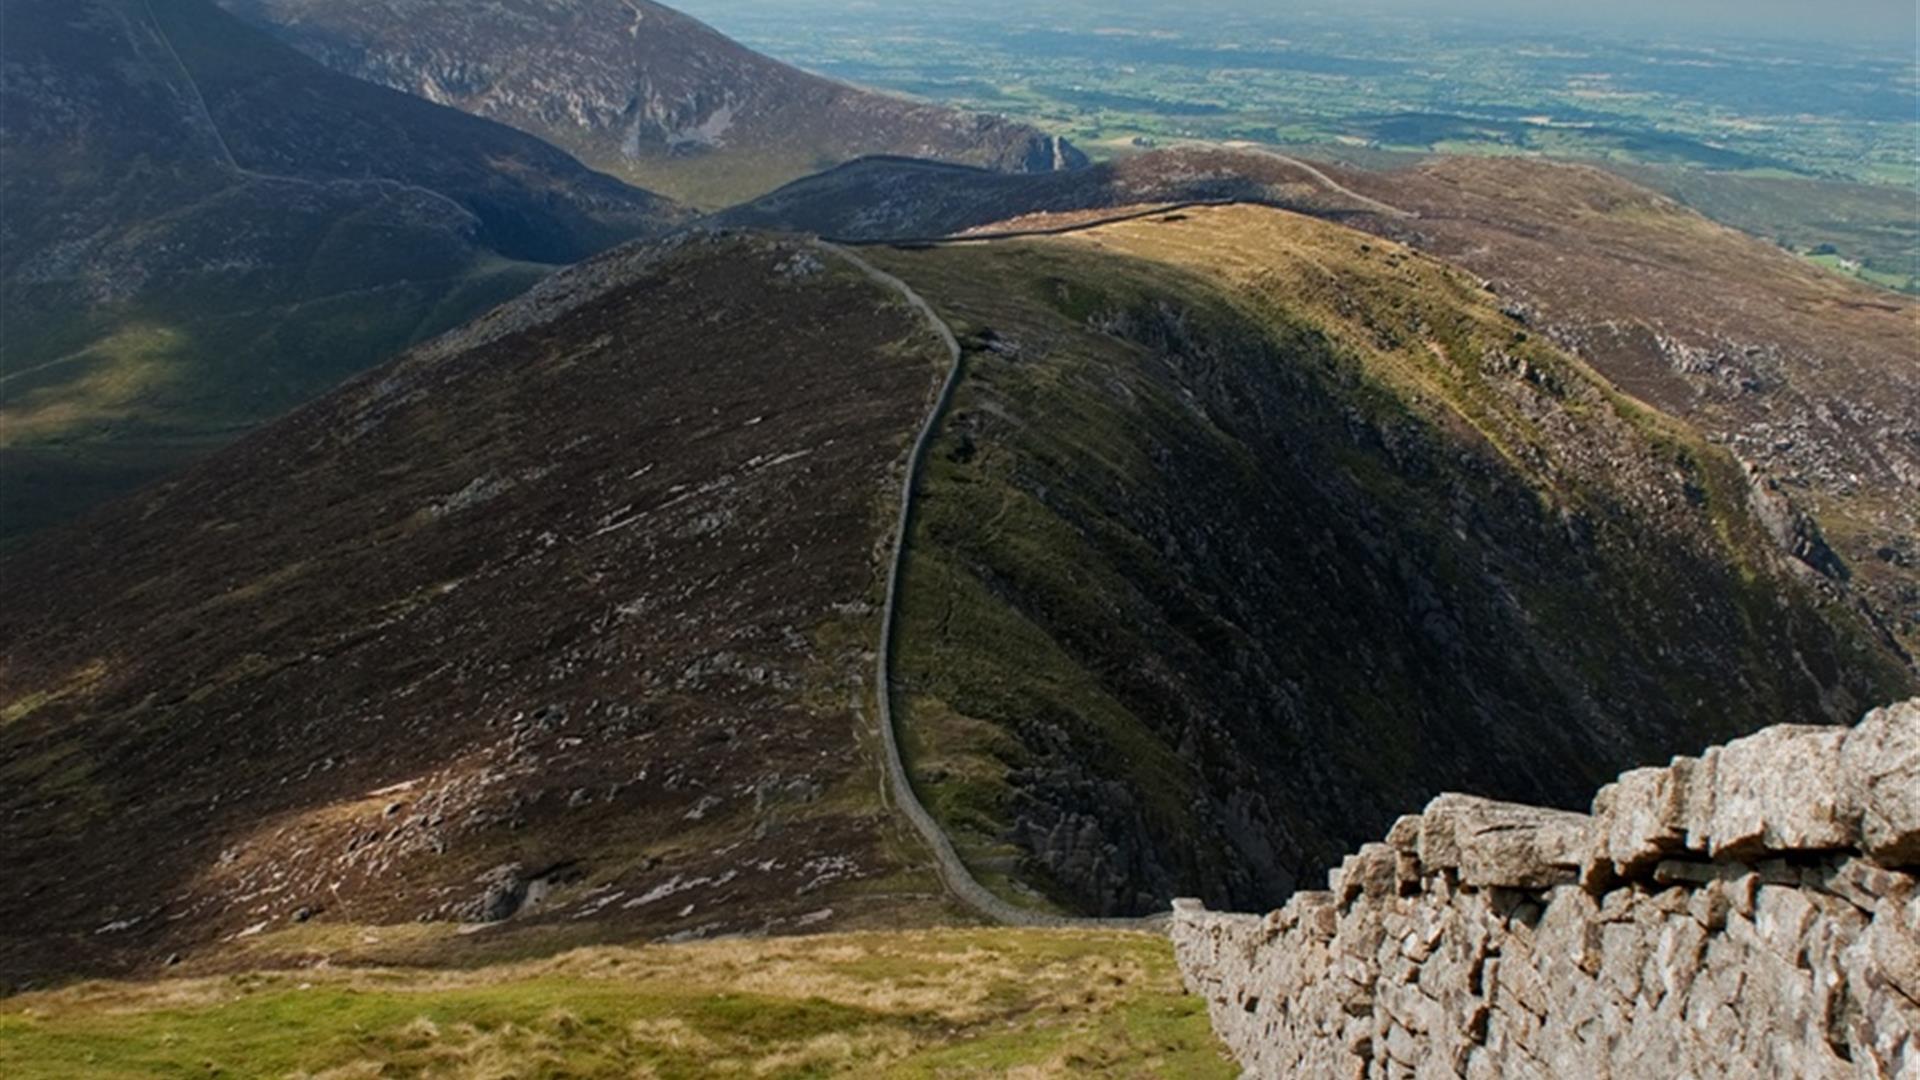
(1781, 790)
(504, 893)
(1758, 916)
(1641, 816)
(1505, 844)
(1882, 760)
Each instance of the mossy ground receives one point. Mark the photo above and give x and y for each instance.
(946, 1003)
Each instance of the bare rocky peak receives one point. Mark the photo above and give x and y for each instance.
(1749, 912)
(633, 87)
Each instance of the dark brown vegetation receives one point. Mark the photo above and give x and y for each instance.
(565, 614)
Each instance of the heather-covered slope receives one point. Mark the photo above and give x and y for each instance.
(641, 90)
(203, 228)
(1247, 531)
(564, 617)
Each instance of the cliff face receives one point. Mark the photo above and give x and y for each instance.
(1749, 912)
(641, 90)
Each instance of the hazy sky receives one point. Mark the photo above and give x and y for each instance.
(1891, 24)
(1888, 22)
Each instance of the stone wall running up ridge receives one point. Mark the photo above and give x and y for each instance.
(1752, 912)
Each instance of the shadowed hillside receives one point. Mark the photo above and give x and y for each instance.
(564, 615)
(203, 228)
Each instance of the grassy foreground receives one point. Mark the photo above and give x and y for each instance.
(917, 1004)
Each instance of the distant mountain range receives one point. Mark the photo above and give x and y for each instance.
(206, 227)
(641, 91)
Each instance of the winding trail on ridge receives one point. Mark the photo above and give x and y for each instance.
(954, 873)
(1328, 182)
(226, 158)
(953, 870)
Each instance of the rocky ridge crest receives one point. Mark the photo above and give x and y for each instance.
(1752, 911)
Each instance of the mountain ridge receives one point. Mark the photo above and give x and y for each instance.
(1809, 378)
(562, 625)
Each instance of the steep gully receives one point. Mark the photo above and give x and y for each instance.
(1528, 942)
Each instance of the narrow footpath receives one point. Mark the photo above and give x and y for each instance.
(1330, 183)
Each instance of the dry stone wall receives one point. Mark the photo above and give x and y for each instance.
(1751, 912)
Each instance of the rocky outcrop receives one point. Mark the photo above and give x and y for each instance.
(1749, 912)
(641, 91)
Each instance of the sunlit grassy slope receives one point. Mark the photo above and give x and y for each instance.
(929, 1004)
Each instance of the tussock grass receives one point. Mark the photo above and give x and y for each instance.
(931, 1003)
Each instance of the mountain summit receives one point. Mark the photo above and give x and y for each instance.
(641, 91)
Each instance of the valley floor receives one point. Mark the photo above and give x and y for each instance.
(939, 1003)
